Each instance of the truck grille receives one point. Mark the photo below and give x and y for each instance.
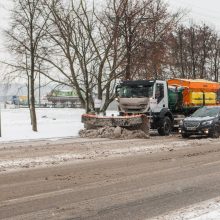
(191, 124)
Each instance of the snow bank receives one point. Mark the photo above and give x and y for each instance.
(38, 161)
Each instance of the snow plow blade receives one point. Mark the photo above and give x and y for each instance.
(132, 122)
(111, 121)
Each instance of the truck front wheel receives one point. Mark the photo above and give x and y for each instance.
(165, 126)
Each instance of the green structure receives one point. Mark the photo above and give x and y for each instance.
(64, 98)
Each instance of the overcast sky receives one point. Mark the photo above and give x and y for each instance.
(207, 11)
(4, 17)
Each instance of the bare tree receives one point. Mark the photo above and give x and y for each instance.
(145, 28)
(215, 58)
(83, 50)
(195, 52)
(25, 40)
(91, 50)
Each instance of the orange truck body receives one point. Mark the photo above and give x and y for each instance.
(197, 92)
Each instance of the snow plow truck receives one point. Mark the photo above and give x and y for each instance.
(157, 104)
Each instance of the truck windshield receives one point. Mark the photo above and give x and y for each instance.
(135, 91)
(206, 112)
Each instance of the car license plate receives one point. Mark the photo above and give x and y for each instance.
(191, 129)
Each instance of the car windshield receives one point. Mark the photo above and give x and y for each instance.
(136, 91)
(206, 112)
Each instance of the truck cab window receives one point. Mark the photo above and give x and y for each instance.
(159, 93)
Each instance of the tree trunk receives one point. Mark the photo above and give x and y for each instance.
(28, 97)
(181, 53)
(32, 105)
(129, 50)
(192, 48)
(32, 95)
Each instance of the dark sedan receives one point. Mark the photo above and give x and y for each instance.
(204, 121)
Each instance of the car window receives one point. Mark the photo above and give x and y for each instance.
(206, 112)
(159, 94)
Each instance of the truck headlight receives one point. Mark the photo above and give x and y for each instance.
(207, 122)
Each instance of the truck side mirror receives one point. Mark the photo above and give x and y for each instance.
(153, 103)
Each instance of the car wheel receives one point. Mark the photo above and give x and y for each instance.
(215, 133)
(184, 135)
(165, 127)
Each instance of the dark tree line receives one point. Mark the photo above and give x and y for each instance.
(195, 52)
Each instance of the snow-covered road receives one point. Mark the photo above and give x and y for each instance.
(167, 177)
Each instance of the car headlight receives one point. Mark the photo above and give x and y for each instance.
(207, 122)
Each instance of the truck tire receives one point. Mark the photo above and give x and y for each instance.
(121, 113)
(165, 127)
(215, 133)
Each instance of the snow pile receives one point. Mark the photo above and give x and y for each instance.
(112, 132)
(38, 161)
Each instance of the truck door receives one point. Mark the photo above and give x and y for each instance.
(160, 95)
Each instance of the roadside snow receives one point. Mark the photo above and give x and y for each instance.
(38, 161)
(207, 210)
(88, 151)
(51, 123)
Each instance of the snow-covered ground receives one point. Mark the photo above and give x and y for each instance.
(52, 123)
(207, 210)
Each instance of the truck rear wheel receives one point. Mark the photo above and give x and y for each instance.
(165, 127)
